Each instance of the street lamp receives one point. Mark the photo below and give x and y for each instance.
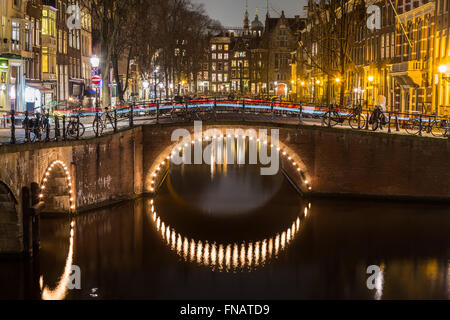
(145, 84)
(338, 80)
(443, 70)
(95, 63)
(370, 78)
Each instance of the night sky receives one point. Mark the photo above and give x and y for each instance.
(231, 12)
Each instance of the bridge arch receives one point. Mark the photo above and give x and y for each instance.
(56, 189)
(290, 161)
(9, 219)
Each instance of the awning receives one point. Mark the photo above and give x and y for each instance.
(39, 87)
(405, 81)
(90, 93)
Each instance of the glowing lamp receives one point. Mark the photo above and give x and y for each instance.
(443, 68)
(95, 61)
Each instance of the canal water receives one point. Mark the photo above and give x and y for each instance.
(226, 232)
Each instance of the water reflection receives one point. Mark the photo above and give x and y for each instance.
(226, 257)
(60, 292)
(122, 255)
(379, 283)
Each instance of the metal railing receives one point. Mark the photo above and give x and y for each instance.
(75, 124)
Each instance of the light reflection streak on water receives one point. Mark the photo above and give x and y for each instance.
(379, 283)
(233, 257)
(60, 292)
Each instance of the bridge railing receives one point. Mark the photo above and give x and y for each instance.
(27, 127)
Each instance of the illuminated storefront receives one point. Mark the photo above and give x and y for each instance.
(3, 84)
(11, 84)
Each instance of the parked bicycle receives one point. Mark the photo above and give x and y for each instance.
(199, 113)
(37, 127)
(354, 117)
(435, 127)
(75, 129)
(101, 121)
(378, 119)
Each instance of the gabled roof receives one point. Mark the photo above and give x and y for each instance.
(294, 24)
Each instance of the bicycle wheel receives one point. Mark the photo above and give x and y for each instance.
(82, 129)
(439, 128)
(327, 120)
(375, 124)
(98, 124)
(356, 122)
(72, 130)
(412, 126)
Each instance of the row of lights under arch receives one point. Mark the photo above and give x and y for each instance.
(68, 180)
(284, 153)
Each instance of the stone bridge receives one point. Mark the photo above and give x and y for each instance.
(81, 175)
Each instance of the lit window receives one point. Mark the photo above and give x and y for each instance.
(45, 59)
(48, 23)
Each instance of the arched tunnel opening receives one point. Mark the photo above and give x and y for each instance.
(55, 190)
(215, 187)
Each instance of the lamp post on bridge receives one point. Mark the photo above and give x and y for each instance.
(95, 63)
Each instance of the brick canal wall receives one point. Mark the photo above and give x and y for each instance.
(335, 162)
(103, 170)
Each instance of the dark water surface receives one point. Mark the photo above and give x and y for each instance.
(229, 233)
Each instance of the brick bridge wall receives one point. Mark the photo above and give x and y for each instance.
(336, 162)
(344, 162)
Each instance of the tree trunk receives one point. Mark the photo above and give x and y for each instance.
(115, 65)
(106, 96)
(342, 91)
(104, 68)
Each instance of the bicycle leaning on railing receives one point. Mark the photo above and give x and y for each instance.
(434, 126)
(101, 121)
(354, 117)
(75, 129)
(378, 119)
(36, 128)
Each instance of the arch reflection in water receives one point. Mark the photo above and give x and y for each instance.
(60, 291)
(227, 257)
